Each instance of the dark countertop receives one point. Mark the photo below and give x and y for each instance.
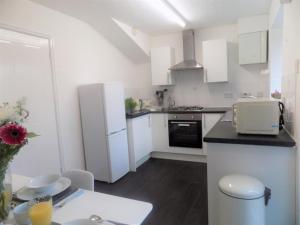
(205, 110)
(224, 132)
(137, 114)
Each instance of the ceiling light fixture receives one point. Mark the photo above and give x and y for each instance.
(165, 9)
(31, 46)
(5, 42)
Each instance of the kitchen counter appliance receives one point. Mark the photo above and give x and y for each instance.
(258, 116)
(185, 130)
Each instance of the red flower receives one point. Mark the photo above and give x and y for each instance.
(13, 134)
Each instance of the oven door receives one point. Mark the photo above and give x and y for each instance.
(183, 133)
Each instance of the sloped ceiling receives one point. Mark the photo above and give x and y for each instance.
(139, 14)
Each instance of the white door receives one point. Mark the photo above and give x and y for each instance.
(114, 107)
(118, 155)
(25, 72)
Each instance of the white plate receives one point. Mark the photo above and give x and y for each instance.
(86, 222)
(43, 183)
(27, 194)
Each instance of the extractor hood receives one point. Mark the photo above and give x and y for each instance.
(189, 57)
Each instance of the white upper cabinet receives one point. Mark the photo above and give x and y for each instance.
(253, 39)
(215, 61)
(161, 60)
(253, 48)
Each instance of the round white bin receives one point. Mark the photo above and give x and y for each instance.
(241, 201)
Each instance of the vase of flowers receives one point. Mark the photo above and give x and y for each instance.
(13, 136)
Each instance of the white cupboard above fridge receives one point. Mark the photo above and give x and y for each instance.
(215, 61)
(162, 59)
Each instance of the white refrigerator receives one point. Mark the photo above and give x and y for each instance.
(104, 130)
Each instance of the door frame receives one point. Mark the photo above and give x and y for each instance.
(54, 85)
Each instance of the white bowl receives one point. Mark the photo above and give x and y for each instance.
(21, 214)
(42, 183)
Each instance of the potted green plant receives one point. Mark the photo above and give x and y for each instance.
(130, 105)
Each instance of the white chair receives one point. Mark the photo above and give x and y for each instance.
(80, 179)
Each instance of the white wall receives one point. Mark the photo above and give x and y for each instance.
(291, 45)
(81, 56)
(190, 89)
(291, 81)
(275, 58)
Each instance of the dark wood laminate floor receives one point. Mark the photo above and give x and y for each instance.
(177, 190)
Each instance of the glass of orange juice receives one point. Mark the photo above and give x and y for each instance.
(40, 212)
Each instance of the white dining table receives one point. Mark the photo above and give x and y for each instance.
(109, 207)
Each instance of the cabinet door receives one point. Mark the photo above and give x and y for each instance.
(160, 133)
(114, 107)
(208, 121)
(161, 60)
(215, 61)
(253, 48)
(142, 136)
(139, 138)
(118, 155)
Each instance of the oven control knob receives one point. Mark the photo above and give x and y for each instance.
(193, 117)
(175, 117)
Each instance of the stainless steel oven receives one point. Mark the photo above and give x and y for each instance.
(185, 130)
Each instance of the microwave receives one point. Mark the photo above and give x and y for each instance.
(258, 116)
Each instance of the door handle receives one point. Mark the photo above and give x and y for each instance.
(183, 125)
(234, 115)
(186, 123)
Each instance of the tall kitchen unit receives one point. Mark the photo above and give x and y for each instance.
(104, 130)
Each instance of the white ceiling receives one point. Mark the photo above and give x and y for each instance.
(197, 13)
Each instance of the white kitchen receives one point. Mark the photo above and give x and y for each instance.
(149, 112)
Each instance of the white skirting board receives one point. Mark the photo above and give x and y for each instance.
(143, 160)
(182, 157)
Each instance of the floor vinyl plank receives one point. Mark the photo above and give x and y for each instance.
(177, 190)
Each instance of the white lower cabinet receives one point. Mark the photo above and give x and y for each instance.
(208, 121)
(139, 140)
(150, 133)
(160, 132)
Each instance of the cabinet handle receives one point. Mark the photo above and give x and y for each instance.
(149, 121)
(234, 115)
(204, 120)
(165, 120)
(169, 78)
(205, 75)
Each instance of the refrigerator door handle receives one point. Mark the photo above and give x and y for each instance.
(112, 133)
